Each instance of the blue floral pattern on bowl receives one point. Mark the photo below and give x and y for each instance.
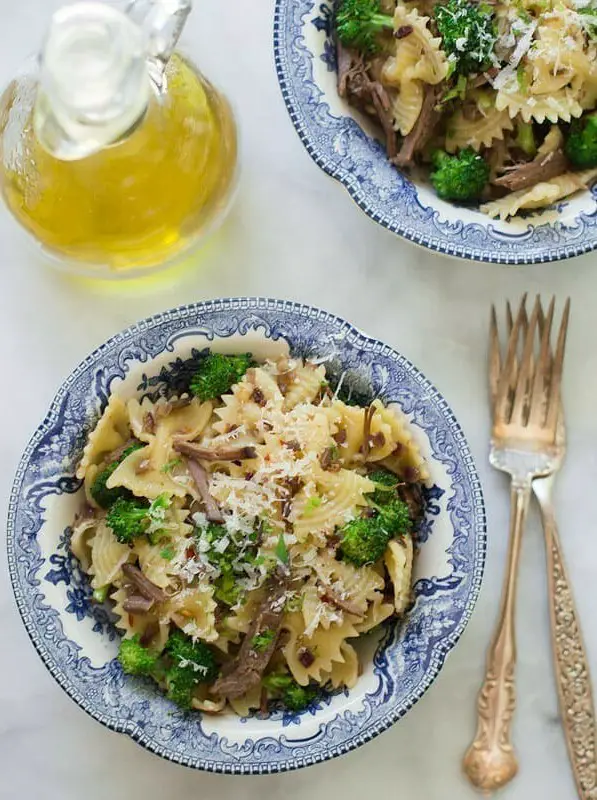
(76, 638)
(343, 144)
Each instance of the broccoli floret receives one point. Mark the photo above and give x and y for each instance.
(468, 34)
(134, 658)
(359, 22)
(393, 511)
(217, 373)
(461, 177)
(128, 519)
(103, 496)
(297, 698)
(131, 518)
(386, 482)
(394, 517)
(285, 688)
(364, 540)
(581, 142)
(192, 663)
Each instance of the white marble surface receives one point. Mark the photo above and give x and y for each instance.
(294, 233)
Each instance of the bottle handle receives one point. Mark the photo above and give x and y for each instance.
(162, 23)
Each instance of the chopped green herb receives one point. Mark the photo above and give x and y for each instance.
(311, 504)
(457, 91)
(282, 551)
(521, 77)
(171, 465)
(167, 553)
(525, 138)
(294, 603)
(155, 537)
(263, 640)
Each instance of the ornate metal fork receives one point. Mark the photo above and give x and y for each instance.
(570, 660)
(525, 392)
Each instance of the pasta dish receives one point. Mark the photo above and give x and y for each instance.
(494, 99)
(248, 531)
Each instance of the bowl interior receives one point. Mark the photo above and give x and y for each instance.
(345, 144)
(77, 639)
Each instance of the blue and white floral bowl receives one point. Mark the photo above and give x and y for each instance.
(76, 639)
(343, 144)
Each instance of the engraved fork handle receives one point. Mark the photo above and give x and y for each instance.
(490, 761)
(570, 659)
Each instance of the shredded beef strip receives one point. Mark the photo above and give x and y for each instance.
(412, 495)
(345, 59)
(214, 454)
(143, 584)
(199, 475)
(366, 446)
(151, 631)
(333, 598)
(423, 129)
(249, 665)
(383, 109)
(328, 459)
(356, 85)
(115, 455)
(164, 409)
(137, 604)
(541, 169)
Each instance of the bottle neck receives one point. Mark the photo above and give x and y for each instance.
(94, 84)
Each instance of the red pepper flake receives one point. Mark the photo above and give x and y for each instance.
(190, 552)
(131, 620)
(306, 657)
(403, 31)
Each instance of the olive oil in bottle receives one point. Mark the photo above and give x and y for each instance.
(119, 155)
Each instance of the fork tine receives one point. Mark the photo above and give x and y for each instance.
(539, 396)
(522, 332)
(509, 317)
(495, 360)
(503, 402)
(525, 375)
(556, 372)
